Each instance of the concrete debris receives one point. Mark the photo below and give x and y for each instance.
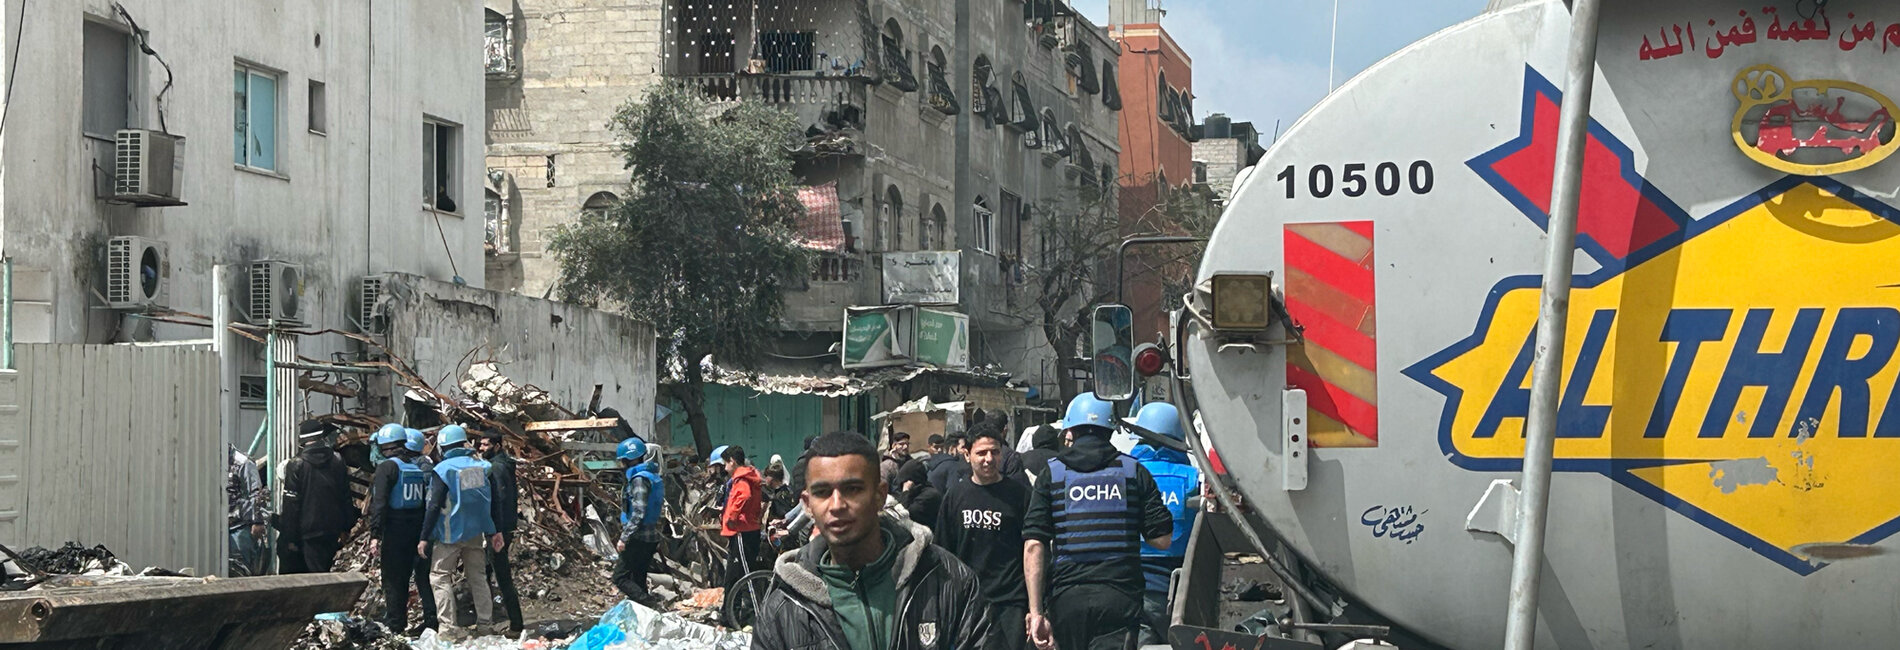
(336, 632)
(484, 383)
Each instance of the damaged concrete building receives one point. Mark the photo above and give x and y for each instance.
(937, 135)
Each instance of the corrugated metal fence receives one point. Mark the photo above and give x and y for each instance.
(114, 445)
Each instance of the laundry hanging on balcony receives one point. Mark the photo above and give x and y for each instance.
(822, 227)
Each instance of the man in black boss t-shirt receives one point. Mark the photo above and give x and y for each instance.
(981, 522)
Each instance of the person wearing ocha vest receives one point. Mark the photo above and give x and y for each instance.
(460, 520)
(640, 507)
(397, 494)
(1089, 512)
(1179, 481)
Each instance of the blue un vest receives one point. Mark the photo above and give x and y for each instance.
(411, 491)
(656, 495)
(1094, 522)
(1177, 482)
(465, 514)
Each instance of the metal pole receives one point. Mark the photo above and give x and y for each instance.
(6, 353)
(1333, 50)
(1527, 560)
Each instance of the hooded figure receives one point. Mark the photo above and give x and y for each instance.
(317, 511)
(916, 493)
(1044, 444)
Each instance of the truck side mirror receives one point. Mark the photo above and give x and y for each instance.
(1112, 346)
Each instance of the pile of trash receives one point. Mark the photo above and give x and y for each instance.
(73, 559)
(626, 626)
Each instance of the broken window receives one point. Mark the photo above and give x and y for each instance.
(1052, 134)
(942, 97)
(979, 85)
(1111, 91)
(255, 129)
(787, 51)
(896, 69)
(106, 78)
(1024, 108)
(441, 143)
(498, 43)
(1010, 229)
(1082, 63)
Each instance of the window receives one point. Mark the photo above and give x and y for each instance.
(254, 141)
(598, 204)
(1011, 227)
(492, 221)
(985, 225)
(107, 86)
(440, 143)
(1052, 134)
(787, 51)
(933, 231)
(498, 44)
(319, 109)
(896, 63)
(1111, 91)
(890, 217)
(942, 97)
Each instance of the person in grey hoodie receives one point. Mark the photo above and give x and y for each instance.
(867, 582)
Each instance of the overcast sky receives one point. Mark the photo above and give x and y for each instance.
(1265, 60)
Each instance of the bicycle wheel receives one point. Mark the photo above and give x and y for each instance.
(741, 606)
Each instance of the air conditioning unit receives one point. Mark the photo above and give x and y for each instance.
(138, 273)
(147, 168)
(370, 291)
(277, 293)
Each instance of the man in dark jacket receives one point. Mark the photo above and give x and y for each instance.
(1088, 513)
(917, 495)
(868, 582)
(501, 471)
(946, 468)
(317, 511)
(1045, 443)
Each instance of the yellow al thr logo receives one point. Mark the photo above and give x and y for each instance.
(1744, 376)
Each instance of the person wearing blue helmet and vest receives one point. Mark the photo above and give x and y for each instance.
(397, 494)
(1089, 512)
(459, 521)
(640, 506)
(1179, 481)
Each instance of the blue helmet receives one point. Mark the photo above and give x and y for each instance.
(1160, 417)
(390, 434)
(633, 449)
(1088, 410)
(718, 455)
(453, 434)
(415, 440)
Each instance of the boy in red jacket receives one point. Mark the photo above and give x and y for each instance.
(745, 507)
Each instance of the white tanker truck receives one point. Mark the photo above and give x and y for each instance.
(1725, 468)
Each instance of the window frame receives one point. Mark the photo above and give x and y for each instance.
(510, 66)
(252, 71)
(132, 80)
(434, 166)
(985, 225)
(317, 108)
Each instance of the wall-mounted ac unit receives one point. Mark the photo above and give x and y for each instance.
(138, 273)
(147, 167)
(370, 291)
(277, 293)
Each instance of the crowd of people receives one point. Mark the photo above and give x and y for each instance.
(971, 543)
(975, 545)
(428, 518)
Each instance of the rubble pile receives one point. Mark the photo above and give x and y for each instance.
(563, 549)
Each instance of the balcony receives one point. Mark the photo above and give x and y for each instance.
(776, 88)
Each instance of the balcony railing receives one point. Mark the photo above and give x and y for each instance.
(835, 268)
(772, 88)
